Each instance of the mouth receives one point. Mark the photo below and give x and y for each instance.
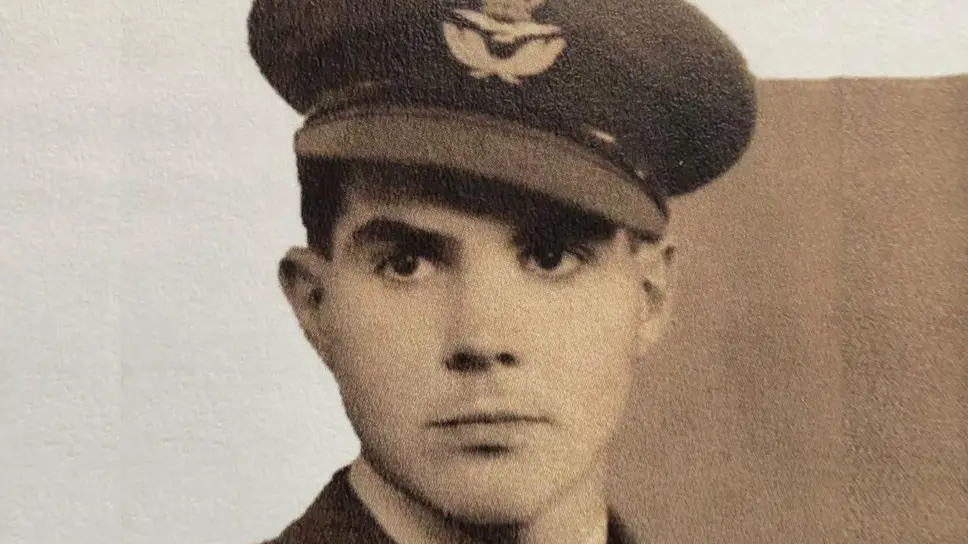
(488, 418)
(491, 434)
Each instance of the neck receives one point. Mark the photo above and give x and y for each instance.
(578, 516)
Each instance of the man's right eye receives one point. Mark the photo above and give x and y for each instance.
(405, 267)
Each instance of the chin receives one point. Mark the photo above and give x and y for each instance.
(482, 508)
(492, 496)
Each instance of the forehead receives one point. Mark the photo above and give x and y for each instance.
(445, 193)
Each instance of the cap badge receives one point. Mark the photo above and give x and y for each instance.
(507, 24)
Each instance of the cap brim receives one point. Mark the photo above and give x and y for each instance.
(490, 147)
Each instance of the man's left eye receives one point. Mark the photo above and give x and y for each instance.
(554, 262)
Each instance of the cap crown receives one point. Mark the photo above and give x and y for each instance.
(651, 85)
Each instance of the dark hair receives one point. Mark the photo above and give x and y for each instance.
(323, 197)
(326, 182)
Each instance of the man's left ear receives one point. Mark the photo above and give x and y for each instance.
(656, 265)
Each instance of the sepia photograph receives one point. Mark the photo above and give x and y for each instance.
(484, 271)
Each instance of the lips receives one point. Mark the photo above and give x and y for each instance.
(491, 432)
(489, 418)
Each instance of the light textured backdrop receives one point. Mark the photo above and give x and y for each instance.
(153, 386)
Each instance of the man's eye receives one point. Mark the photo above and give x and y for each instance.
(405, 267)
(556, 262)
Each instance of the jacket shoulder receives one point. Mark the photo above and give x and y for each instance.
(336, 516)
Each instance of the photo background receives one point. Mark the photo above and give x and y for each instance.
(154, 386)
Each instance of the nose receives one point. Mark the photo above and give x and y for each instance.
(484, 321)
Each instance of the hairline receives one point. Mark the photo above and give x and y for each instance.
(388, 181)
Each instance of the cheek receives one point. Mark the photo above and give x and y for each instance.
(591, 352)
(385, 346)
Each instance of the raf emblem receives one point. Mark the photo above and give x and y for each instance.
(507, 24)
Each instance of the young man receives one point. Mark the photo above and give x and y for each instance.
(484, 189)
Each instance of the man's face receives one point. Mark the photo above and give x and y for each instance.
(483, 363)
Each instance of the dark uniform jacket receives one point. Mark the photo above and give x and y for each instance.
(337, 516)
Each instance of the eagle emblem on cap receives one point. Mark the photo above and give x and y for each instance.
(507, 24)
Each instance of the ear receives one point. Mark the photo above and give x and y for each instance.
(656, 265)
(302, 275)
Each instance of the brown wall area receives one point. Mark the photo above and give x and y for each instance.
(814, 386)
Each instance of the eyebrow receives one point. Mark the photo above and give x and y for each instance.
(567, 232)
(390, 231)
(381, 230)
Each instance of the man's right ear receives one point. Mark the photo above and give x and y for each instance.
(302, 279)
